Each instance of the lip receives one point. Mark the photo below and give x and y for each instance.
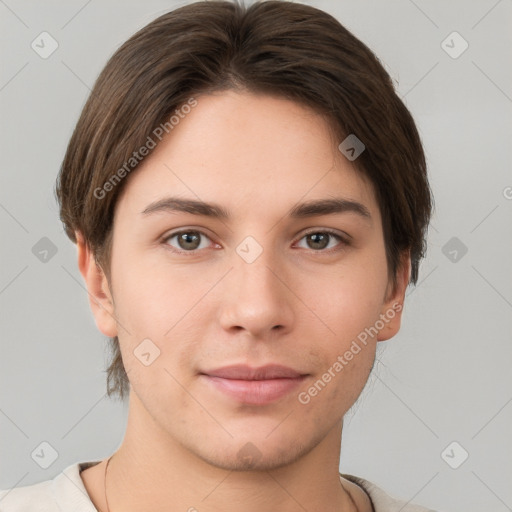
(255, 386)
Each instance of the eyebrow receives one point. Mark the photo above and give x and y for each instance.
(307, 209)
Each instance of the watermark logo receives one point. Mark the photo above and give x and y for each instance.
(44, 45)
(454, 249)
(454, 45)
(44, 250)
(304, 397)
(351, 147)
(44, 455)
(146, 352)
(137, 156)
(249, 249)
(249, 454)
(454, 455)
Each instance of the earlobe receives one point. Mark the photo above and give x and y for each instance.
(391, 314)
(100, 297)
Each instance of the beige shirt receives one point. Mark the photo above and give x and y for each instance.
(67, 493)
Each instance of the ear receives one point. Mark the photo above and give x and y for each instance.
(100, 297)
(391, 313)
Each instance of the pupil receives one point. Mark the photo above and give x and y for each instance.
(319, 238)
(189, 240)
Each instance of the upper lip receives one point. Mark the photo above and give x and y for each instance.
(244, 372)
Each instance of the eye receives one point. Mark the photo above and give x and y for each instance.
(187, 241)
(319, 241)
(324, 239)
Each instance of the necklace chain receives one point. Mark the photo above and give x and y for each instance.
(106, 467)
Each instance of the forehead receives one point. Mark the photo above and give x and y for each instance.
(249, 151)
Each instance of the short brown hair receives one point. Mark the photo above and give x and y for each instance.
(271, 47)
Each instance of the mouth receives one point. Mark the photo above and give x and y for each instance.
(255, 386)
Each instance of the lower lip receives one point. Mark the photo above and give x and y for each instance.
(255, 392)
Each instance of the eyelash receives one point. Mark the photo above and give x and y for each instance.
(343, 241)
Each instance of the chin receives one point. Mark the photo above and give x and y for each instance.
(255, 456)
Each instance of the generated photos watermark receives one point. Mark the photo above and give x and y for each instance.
(356, 346)
(144, 150)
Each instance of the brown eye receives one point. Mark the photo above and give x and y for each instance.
(187, 240)
(320, 240)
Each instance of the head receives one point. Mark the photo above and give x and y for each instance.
(246, 108)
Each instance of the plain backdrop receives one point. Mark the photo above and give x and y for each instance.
(441, 390)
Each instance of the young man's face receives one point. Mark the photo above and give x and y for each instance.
(258, 287)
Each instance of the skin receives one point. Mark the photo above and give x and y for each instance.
(298, 304)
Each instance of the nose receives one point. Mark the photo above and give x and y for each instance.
(257, 298)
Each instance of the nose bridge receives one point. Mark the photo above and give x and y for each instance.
(258, 276)
(257, 299)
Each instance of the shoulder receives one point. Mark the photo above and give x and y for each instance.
(66, 492)
(381, 501)
(28, 498)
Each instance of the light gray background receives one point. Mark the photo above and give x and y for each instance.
(446, 377)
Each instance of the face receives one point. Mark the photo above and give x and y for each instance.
(248, 328)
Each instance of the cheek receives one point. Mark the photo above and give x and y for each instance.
(347, 300)
(151, 298)
(160, 313)
(332, 392)
(346, 306)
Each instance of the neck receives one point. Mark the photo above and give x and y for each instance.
(151, 472)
